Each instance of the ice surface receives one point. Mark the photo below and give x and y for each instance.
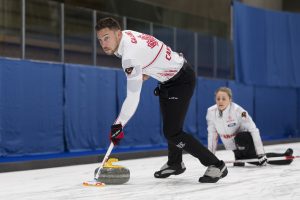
(249, 182)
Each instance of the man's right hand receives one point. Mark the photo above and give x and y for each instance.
(116, 133)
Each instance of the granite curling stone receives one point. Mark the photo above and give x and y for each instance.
(113, 174)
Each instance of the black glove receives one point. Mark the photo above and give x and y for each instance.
(116, 133)
(156, 91)
(262, 160)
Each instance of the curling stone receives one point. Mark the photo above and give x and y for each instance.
(113, 174)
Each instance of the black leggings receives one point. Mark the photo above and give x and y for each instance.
(174, 97)
(245, 141)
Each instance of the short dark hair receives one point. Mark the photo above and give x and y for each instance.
(107, 22)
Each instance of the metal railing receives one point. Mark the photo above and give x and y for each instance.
(52, 31)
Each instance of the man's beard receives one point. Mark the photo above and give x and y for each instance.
(108, 51)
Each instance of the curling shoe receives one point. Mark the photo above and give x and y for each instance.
(289, 152)
(214, 173)
(166, 170)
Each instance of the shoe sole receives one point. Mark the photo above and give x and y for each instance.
(167, 175)
(213, 180)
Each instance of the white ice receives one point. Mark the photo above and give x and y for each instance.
(249, 182)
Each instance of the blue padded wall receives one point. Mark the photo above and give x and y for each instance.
(267, 46)
(185, 44)
(243, 95)
(205, 98)
(90, 106)
(31, 105)
(276, 112)
(52, 108)
(144, 128)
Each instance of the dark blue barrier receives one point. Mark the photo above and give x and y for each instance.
(164, 34)
(31, 105)
(185, 44)
(42, 104)
(243, 95)
(205, 55)
(90, 106)
(144, 128)
(205, 98)
(276, 112)
(224, 63)
(267, 46)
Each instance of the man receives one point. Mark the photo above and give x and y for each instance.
(143, 56)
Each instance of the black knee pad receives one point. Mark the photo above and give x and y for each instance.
(245, 146)
(244, 139)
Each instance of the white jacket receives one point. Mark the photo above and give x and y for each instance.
(234, 119)
(143, 54)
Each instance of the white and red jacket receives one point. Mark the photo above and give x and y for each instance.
(227, 124)
(143, 54)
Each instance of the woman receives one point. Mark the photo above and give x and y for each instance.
(237, 131)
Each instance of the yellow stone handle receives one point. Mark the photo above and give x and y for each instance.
(108, 164)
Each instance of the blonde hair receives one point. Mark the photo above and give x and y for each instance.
(226, 90)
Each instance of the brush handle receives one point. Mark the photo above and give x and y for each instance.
(269, 159)
(110, 148)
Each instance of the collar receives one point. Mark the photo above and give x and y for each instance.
(224, 112)
(119, 51)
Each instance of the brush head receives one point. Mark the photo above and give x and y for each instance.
(93, 183)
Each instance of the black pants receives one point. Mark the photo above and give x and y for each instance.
(174, 97)
(244, 142)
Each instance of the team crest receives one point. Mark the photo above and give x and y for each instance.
(128, 70)
(231, 125)
(244, 114)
